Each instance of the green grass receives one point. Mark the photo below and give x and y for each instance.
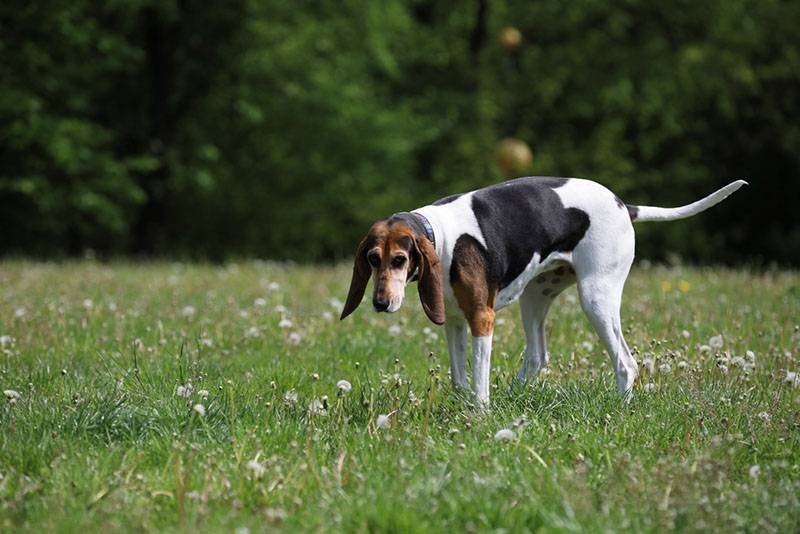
(99, 440)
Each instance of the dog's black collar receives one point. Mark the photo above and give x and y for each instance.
(428, 228)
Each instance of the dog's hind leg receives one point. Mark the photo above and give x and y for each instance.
(601, 296)
(534, 304)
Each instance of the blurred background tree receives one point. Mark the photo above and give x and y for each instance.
(283, 129)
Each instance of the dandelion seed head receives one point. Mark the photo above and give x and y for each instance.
(664, 369)
(188, 311)
(285, 323)
(505, 434)
(294, 338)
(587, 346)
(184, 390)
(260, 302)
(650, 387)
(686, 334)
(344, 386)
(11, 394)
(764, 416)
(382, 421)
(88, 304)
(257, 468)
(716, 342)
(395, 330)
(199, 409)
(754, 471)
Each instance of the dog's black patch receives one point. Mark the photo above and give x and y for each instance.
(447, 200)
(521, 217)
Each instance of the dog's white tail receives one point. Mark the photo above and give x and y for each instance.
(653, 213)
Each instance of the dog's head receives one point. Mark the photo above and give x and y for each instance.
(395, 253)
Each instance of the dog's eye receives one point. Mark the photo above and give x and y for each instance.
(374, 260)
(398, 261)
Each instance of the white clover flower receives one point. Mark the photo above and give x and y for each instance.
(344, 386)
(664, 369)
(188, 311)
(505, 434)
(184, 391)
(649, 364)
(203, 393)
(764, 416)
(650, 387)
(395, 330)
(199, 409)
(754, 471)
(294, 338)
(587, 346)
(686, 334)
(260, 302)
(11, 394)
(257, 468)
(382, 421)
(716, 342)
(285, 323)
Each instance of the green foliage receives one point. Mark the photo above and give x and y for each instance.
(283, 130)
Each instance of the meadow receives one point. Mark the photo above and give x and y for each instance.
(186, 397)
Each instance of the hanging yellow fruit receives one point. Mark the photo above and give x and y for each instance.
(510, 38)
(513, 156)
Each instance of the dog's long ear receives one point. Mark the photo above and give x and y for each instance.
(430, 281)
(361, 274)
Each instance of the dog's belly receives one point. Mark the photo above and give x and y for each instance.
(511, 293)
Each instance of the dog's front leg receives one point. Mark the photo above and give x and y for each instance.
(456, 331)
(481, 364)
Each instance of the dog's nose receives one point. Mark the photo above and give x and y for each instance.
(380, 304)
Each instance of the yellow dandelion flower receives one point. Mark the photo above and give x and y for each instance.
(684, 286)
(666, 286)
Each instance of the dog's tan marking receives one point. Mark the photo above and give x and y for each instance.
(474, 294)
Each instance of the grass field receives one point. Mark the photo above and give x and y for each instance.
(182, 397)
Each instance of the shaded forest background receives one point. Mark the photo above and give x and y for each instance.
(283, 129)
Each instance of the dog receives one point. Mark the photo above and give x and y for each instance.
(525, 239)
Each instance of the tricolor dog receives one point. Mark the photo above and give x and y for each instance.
(526, 239)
